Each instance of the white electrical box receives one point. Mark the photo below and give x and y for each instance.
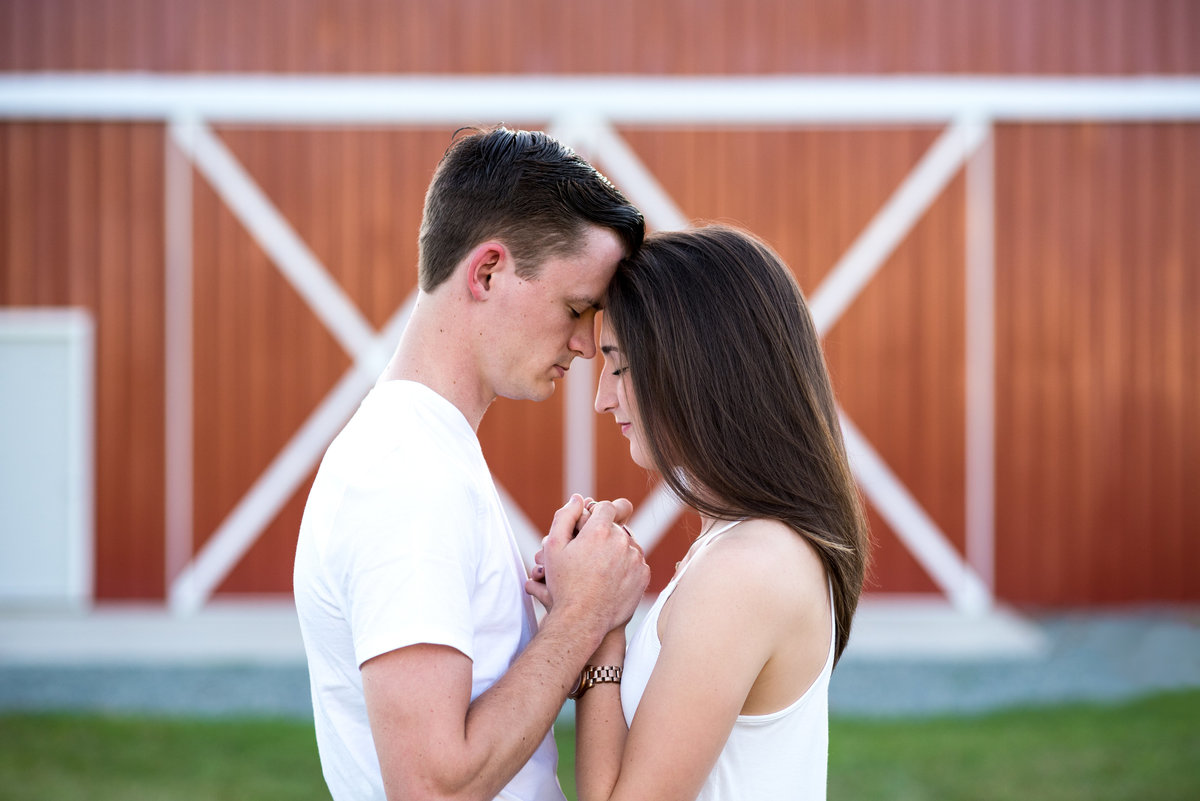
(46, 457)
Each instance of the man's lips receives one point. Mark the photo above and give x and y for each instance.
(562, 370)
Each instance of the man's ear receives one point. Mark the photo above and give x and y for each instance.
(483, 262)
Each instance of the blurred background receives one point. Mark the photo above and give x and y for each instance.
(208, 218)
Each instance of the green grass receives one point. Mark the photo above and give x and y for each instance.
(105, 759)
(1145, 749)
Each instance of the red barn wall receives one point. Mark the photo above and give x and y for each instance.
(1098, 339)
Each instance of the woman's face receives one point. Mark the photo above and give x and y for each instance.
(614, 396)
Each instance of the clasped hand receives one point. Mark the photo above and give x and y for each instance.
(589, 558)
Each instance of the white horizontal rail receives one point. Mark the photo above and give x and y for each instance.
(690, 101)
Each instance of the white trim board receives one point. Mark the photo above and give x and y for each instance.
(691, 101)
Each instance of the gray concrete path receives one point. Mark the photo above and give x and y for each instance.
(1102, 657)
(248, 662)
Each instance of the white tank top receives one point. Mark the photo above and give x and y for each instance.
(782, 755)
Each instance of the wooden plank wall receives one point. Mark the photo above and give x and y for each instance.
(81, 225)
(1097, 255)
(863, 37)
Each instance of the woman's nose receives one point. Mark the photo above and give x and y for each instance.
(606, 399)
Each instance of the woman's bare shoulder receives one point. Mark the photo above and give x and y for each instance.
(768, 555)
(763, 539)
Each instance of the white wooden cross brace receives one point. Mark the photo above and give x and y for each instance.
(191, 587)
(594, 137)
(850, 275)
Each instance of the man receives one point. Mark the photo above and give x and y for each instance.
(429, 676)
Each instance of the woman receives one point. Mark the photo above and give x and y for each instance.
(714, 372)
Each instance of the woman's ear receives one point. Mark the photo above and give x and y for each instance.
(482, 264)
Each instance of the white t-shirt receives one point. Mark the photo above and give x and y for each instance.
(404, 541)
(780, 756)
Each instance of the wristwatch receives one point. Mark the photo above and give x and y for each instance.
(593, 675)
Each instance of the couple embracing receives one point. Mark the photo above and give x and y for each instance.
(431, 677)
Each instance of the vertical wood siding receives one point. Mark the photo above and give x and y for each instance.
(857, 37)
(1098, 352)
(81, 225)
(1098, 339)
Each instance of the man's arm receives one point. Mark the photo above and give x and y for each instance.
(433, 742)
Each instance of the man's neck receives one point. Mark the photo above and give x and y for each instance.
(432, 352)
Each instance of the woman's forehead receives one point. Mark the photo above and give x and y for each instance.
(607, 338)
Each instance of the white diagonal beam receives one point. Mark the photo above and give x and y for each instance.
(893, 222)
(274, 235)
(527, 535)
(243, 525)
(654, 517)
(267, 495)
(596, 139)
(912, 525)
(845, 282)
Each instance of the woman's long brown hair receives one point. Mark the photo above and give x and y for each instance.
(734, 396)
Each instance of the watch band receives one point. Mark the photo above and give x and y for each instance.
(593, 675)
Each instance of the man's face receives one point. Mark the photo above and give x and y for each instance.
(542, 324)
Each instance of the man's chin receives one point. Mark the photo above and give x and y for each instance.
(539, 393)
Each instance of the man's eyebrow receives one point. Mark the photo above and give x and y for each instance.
(590, 302)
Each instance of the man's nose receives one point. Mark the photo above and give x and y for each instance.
(583, 341)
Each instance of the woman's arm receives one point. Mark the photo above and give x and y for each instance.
(712, 650)
(600, 723)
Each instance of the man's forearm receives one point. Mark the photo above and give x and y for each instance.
(505, 724)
